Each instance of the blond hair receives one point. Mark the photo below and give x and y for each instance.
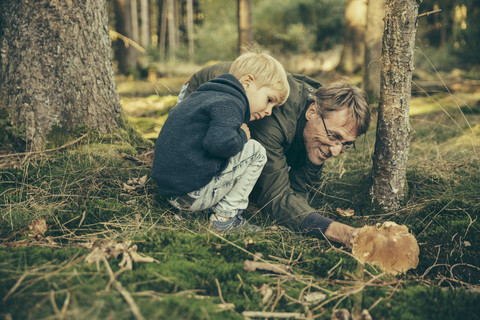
(265, 69)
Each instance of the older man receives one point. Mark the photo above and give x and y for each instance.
(316, 123)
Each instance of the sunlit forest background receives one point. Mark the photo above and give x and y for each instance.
(447, 32)
(159, 44)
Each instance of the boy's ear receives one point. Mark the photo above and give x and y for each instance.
(247, 79)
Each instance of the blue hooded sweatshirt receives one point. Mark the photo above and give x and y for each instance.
(199, 136)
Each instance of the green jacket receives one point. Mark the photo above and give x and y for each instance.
(284, 183)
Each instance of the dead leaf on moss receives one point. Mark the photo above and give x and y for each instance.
(38, 227)
(314, 297)
(109, 248)
(346, 212)
(391, 247)
(35, 232)
(134, 184)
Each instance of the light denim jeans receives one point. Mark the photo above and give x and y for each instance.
(228, 192)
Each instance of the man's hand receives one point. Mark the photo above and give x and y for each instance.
(342, 233)
(245, 128)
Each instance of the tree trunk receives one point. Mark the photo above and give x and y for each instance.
(145, 24)
(134, 16)
(373, 48)
(393, 130)
(163, 28)
(245, 34)
(352, 58)
(191, 45)
(172, 46)
(127, 54)
(56, 68)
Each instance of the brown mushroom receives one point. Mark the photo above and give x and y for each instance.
(391, 247)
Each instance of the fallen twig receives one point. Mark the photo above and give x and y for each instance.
(43, 151)
(126, 295)
(277, 315)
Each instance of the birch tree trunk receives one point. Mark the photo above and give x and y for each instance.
(393, 130)
(373, 48)
(56, 68)
(245, 34)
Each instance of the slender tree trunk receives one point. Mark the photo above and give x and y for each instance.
(352, 58)
(127, 54)
(171, 29)
(163, 28)
(393, 129)
(56, 68)
(373, 48)
(245, 34)
(145, 23)
(135, 28)
(191, 44)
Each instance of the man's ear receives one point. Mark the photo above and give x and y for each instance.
(311, 112)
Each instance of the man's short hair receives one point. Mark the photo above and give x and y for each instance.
(267, 71)
(340, 95)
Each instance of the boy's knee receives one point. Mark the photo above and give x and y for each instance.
(258, 151)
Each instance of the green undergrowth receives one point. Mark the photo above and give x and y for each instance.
(92, 190)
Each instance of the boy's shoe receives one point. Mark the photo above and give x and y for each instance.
(234, 224)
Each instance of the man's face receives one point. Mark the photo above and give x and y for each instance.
(321, 147)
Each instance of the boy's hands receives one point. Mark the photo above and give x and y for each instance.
(245, 128)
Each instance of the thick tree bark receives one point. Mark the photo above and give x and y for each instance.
(56, 68)
(373, 48)
(245, 34)
(354, 38)
(393, 130)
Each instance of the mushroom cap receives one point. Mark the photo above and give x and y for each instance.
(391, 247)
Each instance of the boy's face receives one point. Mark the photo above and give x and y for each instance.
(261, 100)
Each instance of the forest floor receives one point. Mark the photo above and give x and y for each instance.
(85, 236)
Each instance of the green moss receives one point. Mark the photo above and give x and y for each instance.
(419, 302)
(11, 137)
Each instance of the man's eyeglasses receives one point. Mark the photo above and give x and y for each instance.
(346, 146)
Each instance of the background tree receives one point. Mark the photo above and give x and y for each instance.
(56, 68)
(190, 31)
(393, 129)
(127, 25)
(144, 23)
(245, 33)
(352, 58)
(373, 48)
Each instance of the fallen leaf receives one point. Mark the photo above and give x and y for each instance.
(134, 184)
(38, 227)
(346, 212)
(109, 248)
(314, 297)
